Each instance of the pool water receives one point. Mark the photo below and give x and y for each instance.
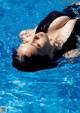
(55, 90)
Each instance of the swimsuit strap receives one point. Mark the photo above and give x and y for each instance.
(77, 27)
(70, 43)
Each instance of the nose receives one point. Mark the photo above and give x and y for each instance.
(33, 39)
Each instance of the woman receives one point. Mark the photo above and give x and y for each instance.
(54, 37)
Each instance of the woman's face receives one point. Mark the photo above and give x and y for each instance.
(38, 44)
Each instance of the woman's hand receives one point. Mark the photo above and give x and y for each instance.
(27, 33)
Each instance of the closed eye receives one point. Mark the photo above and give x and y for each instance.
(36, 37)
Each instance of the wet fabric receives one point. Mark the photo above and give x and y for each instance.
(44, 25)
(71, 11)
(73, 41)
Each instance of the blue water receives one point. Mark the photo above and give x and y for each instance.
(55, 90)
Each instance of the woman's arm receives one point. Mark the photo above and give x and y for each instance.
(72, 53)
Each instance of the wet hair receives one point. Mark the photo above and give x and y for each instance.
(30, 64)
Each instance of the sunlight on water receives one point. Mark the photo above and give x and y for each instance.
(55, 90)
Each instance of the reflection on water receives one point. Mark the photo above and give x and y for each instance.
(56, 90)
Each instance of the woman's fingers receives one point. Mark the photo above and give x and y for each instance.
(23, 33)
(26, 33)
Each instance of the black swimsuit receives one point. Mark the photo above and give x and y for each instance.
(70, 11)
(44, 25)
(73, 39)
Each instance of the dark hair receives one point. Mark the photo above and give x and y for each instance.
(32, 63)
